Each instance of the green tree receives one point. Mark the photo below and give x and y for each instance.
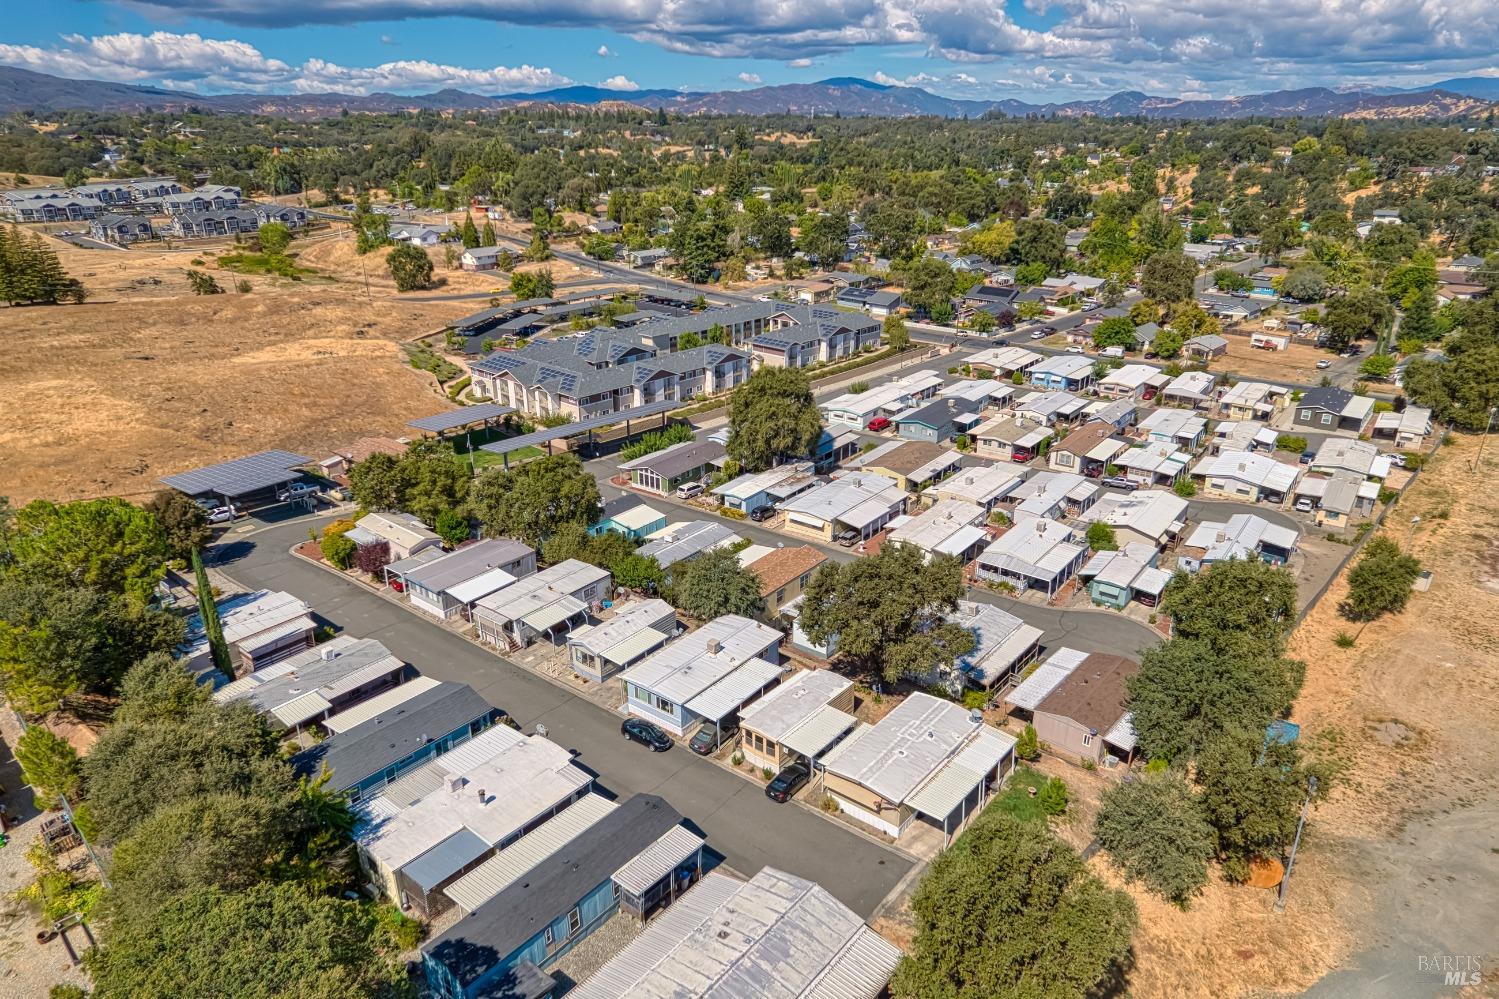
(452, 527)
(928, 283)
(1038, 241)
(338, 549)
(426, 480)
(1101, 537)
(158, 689)
(1419, 320)
(1381, 581)
(468, 233)
(1028, 746)
(410, 267)
(109, 544)
(533, 501)
(486, 235)
(825, 239)
(888, 611)
(893, 331)
(208, 614)
(532, 284)
(1227, 279)
(1154, 831)
(1239, 600)
(371, 229)
(49, 764)
(991, 242)
(183, 522)
(1251, 792)
(1168, 343)
(1116, 331)
(1379, 366)
(713, 584)
(274, 238)
(202, 284)
(1010, 910)
(1355, 315)
(376, 482)
(75, 177)
(1168, 277)
(1053, 796)
(773, 415)
(269, 940)
(1306, 282)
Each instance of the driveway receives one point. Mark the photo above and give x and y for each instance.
(748, 829)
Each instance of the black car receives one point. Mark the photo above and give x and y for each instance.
(708, 739)
(760, 514)
(641, 731)
(786, 783)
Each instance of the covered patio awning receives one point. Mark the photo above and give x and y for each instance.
(446, 859)
(300, 709)
(1048, 676)
(956, 779)
(638, 644)
(820, 730)
(729, 694)
(658, 860)
(553, 613)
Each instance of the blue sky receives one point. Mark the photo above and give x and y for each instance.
(1030, 49)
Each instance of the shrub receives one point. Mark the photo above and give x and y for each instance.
(1184, 488)
(1343, 640)
(1028, 746)
(452, 527)
(737, 759)
(767, 773)
(1286, 442)
(1053, 797)
(338, 550)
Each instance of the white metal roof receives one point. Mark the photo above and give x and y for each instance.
(1196, 384)
(1064, 365)
(974, 390)
(658, 860)
(940, 796)
(513, 863)
(634, 628)
(1239, 536)
(862, 496)
(818, 731)
(728, 694)
(246, 617)
(897, 391)
(755, 483)
(1044, 492)
(1150, 512)
(778, 713)
(401, 529)
(638, 516)
(686, 667)
(1000, 639)
(1005, 358)
(936, 525)
(1130, 377)
(982, 484)
(1256, 469)
(773, 937)
(299, 709)
(1351, 455)
(1175, 423)
(481, 585)
(896, 755)
(1048, 676)
(540, 590)
(1037, 547)
(378, 705)
(1122, 733)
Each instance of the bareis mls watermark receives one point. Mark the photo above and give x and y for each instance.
(1451, 969)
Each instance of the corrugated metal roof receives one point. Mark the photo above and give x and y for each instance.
(783, 710)
(1034, 689)
(379, 704)
(629, 649)
(1122, 733)
(658, 860)
(481, 585)
(861, 971)
(938, 797)
(818, 731)
(270, 636)
(300, 709)
(729, 694)
(512, 863)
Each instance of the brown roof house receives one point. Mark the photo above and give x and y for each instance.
(784, 573)
(1077, 704)
(339, 462)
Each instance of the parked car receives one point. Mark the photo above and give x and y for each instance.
(1397, 460)
(1324, 364)
(879, 424)
(1076, 348)
(689, 490)
(648, 735)
(707, 739)
(760, 514)
(784, 785)
(1307, 457)
(399, 585)
(1048, 330)
(296, 491)
(847, 538)
(1038, 334)
(1149, 394)
(221, 514)
(1121, 482)
(1304, 505)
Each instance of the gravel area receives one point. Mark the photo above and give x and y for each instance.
(27, 968)
(598, 947)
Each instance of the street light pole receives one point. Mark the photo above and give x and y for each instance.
(1285, 881)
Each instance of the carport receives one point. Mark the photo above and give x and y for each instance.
(244, 482)
(733, 692)
(546, 436)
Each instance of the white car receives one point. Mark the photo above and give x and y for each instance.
(221, 514)
(1038, 335)
(690, 490)
(295, 492)
(1076, 348)
(1304, 505)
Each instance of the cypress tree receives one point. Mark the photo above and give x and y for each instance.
(210, 614)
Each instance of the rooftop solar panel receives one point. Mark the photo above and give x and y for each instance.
(460, 417)
(240, 476)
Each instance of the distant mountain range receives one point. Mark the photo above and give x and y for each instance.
(24, 90)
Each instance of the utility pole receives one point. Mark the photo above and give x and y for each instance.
(1285, 881)
(1488, 428)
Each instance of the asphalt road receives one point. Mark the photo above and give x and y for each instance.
(739, 821)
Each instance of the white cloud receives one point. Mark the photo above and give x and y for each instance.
(799, 63)
(914, 80)
(605, 52)
(620, 82)
(192, 62)
(750, 78)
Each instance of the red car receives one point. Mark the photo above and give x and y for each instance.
(398, 585)
(879, 423)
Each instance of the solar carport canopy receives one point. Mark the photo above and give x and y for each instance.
(240, 476)
(546, 436)
(461, 417)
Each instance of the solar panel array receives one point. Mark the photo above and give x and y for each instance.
(240, 476)
(546, 436)
(460, 417)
